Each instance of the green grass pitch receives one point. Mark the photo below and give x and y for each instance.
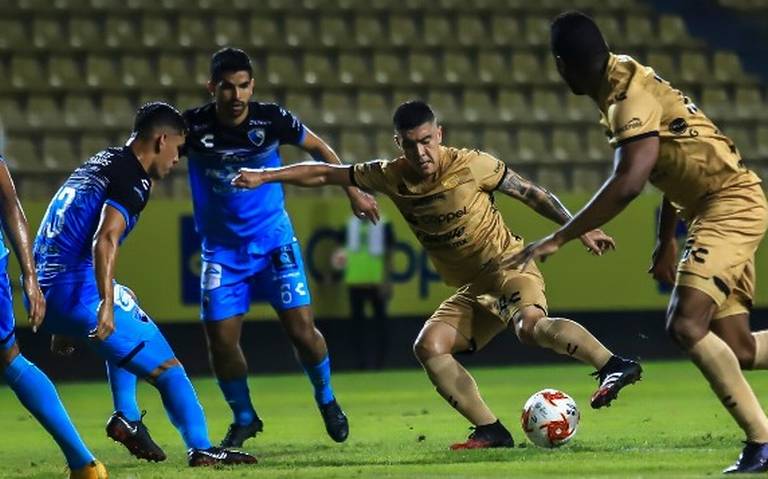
(668, 425)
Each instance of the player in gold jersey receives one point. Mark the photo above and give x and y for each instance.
(446, 195)
(660, 136)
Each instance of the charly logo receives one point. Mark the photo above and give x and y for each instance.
(257, 136)
(678, 126)
(630, 125)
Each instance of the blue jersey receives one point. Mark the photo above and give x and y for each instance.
(230, 216)
(64, 241)
(3, 248)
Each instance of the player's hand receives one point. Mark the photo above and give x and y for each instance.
(538, 249)
(597, 242)
(36, 301)
(62, 345)
(248, 178)
(364, 205)
(106, 323)
(663, 262)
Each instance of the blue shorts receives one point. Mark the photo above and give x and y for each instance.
(136, 344)
(233, 277)
(7, 320)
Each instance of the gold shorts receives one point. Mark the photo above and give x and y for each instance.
(482, 309)
(719, 255)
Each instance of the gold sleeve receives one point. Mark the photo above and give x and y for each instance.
(636, 116)
(487, 170)
(370, 175)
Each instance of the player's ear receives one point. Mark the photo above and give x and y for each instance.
(439, 134)
(211, 87)
(398, 142)
(160, 140)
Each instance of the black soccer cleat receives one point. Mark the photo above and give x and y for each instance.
(753, 458)
(134, 435)
(616, 374)
(237, 434)
(487, 436)
(218, 455)
(335, 420)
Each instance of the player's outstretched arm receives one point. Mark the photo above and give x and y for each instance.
(17, 230)
(545, 203)
(308, 174)
(634, 162)
(106, 241)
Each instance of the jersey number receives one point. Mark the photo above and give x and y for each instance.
(57, 209)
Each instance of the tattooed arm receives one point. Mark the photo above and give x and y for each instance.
(545, 203)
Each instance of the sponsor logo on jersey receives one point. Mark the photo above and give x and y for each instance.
(678, 126)
(257, 136)
(436, 219)
(430, 238)
(630, 125)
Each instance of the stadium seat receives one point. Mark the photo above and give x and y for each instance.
(304, 106)
(264, 32)
(749, 103)
(337, 109)
(726, 67)
(761, 146)
(43, 112)
(609, 26)
(174, 71)
(282, 70)
(492, 68)
(299, 31)
(663, 64)
(580, 108)
(587, 179)
(84, 32)
(388, 69)
(334, 31)
(673, 32)
(459, 136)
(117, 111)
(134, 69)
(438, 31)
(402, 30)
(547, 106)
(597, 145)
(742, 138)
(27, 72)
(193, 31)
(202, 68)
(13, 35)
(694, 67)
(446, 106)
(498, 142)
(552, 177)
(120, 32)
(478, 107)
(318, 70)
(369, 31)
(355, 147)
(185, 101)
(373, 109)
(458, 69)
(227, 30)
(406, 94)
(64, 72)
(47, 32)
(505, 30)
(24, 153)
(470, 30)
(513, 106)
(80, 111)
(59, 152)
(716, 104)
(156, 31)
(526, 67)
(531, 146)
(536, 30)
(639, 31)
(566, 146)
(354, 70)
(423, 68)
(384, 145)
(11, 113)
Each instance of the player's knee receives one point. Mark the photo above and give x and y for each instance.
(427, 346)
(302, 333)
(526, 325)
(8, 355)
(685, 331)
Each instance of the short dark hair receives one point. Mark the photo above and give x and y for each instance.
(229, 60)
(156, 115)
(577, 39)
(411, 114)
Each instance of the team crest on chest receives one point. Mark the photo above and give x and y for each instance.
(257, 136)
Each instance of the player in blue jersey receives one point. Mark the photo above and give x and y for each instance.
(249, 249)
(76, 254)
(30, 384)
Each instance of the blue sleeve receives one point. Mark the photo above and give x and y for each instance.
(288, 128)
(127, 192)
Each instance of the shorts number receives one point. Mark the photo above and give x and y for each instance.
(57, 210)
(286, 295)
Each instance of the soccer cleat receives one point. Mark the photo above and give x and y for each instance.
(335, 420)
(94, 470)
(238, 434)
(134, 435)
(218, 455)
(753, 458)
(487, 436)
(616, 374)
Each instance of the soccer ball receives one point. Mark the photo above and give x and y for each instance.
(550, 418)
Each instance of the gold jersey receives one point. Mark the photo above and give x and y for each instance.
(695, 159)
(454, 216)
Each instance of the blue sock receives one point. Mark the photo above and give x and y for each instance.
(123, 385)
(183, 408)
(37, 393)
(320, 376)
(239, 399)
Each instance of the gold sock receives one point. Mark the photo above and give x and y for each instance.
(719, 365)
(456, 386)
(569, 337)
(761, 350)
